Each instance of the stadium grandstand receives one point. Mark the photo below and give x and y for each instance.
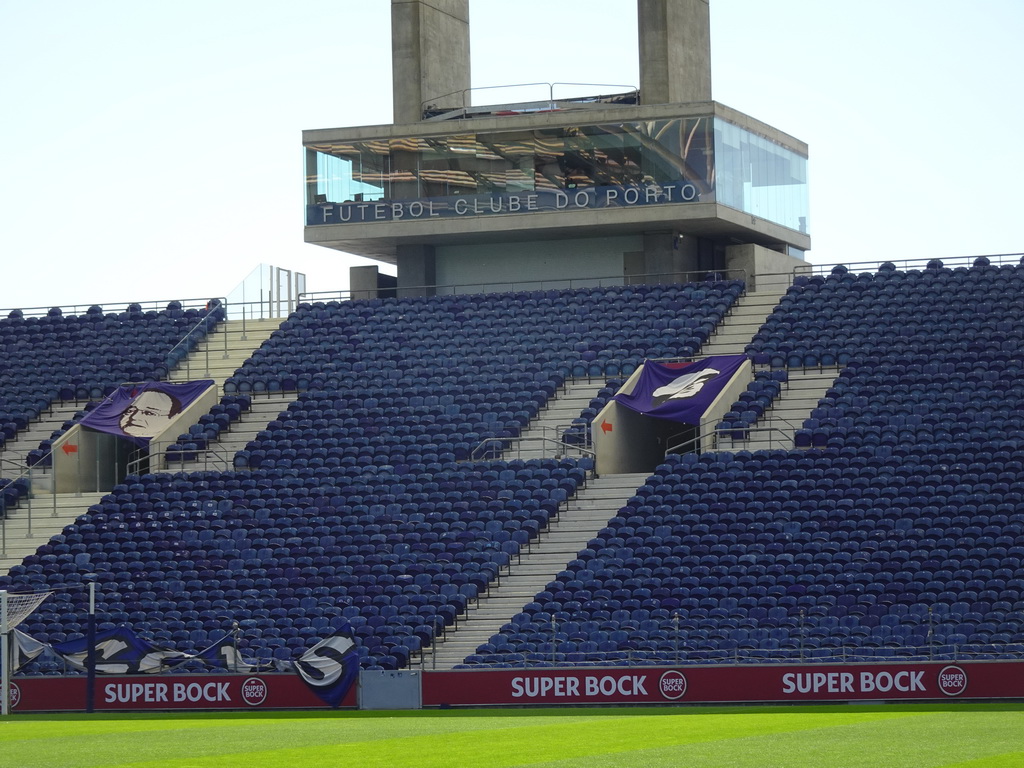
(444, 464)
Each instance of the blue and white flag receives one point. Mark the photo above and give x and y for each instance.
(330, 667)
(681, 391)
(119, 651)
(224, 655)
(24, 649)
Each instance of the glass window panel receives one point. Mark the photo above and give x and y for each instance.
(760, 177)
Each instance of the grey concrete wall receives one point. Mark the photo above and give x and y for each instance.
(501, 265)
(635, 443)
(362, 282)
(675, 51)
(417, 271)
(429, 55)
(195, 410)
(631, 445)
(721, 404)
(765, 269)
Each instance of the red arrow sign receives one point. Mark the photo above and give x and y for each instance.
(606, 427)
(68, 448)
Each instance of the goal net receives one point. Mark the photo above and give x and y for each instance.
(15, 607)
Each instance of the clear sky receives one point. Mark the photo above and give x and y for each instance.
(152, 150)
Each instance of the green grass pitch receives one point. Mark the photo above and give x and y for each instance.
(913, 735)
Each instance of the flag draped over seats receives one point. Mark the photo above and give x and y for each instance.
(680, 391)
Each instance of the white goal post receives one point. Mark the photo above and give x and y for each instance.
(15, 607)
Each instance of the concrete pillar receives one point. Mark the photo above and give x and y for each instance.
(762, 268)
(429, 55)
(662, 258)
(362, 282)
(675, 51)
(417, 270)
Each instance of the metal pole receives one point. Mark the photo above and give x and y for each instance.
(675, 621)
(90, 650)
(554, 640)
(224, 329)
(931, 635)
(5, 655)
(78, 467)
(801, 634)
(97, 485)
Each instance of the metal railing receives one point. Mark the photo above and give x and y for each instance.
(824, 269)
(948, 262)
(689, 654)
(713, 440)
(543, 284)
(212, 458)
(151, 305)
(550, 103)
(504, 448)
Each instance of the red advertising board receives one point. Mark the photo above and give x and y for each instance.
(719, 683)
(549, 687)
(192, 692)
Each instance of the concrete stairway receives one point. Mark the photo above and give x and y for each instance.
(800, 395)
(738, 327)
(12, 455)
(544, 434)
(221, 453)
(779, 423)
(219, 355)
(28, 527)
(224, 350)
(579, 521)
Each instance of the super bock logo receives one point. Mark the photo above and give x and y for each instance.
(15, 695)
(254, 691)
(672, 684)
(952, 680)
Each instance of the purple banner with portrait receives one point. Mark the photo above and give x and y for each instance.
(681, 391)
(138, 412)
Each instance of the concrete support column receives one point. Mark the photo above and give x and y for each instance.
(362, 282)
(672, 258)
(675, 51)
(417, 270)
(662, 258)
(429, 55)
(763, 269)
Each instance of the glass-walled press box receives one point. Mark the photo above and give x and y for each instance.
(546, 163)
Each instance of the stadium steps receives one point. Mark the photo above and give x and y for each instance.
(217, 357)
(800, 395)
(12, 455)
(47, 520)
(743, 321)
(806, 386)
(578, 522)
(224, 350)
(535, 441)
(264, 409)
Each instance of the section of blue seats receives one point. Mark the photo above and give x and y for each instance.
(899, 528)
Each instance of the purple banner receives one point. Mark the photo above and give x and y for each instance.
(681, 391)
(138, 412)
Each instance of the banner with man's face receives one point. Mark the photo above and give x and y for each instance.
(681, 391)
(138, 412)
